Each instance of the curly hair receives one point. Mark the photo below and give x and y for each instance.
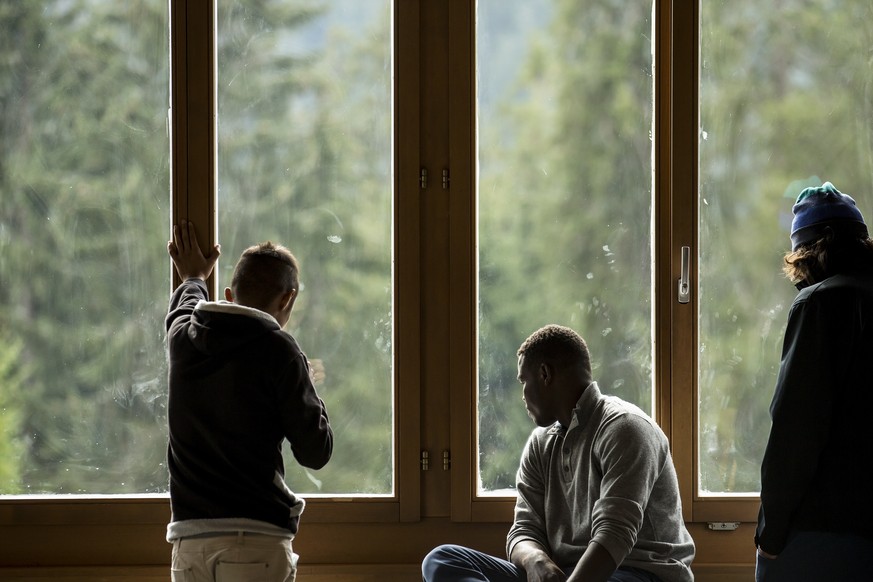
(557, 344)
(264, 271)
(828, 256)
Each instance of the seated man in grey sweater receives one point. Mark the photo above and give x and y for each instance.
(598, 498)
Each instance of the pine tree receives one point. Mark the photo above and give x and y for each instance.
(565, 213)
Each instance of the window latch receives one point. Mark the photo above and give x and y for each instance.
(685, 276)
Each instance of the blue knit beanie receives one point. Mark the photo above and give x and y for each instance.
(823, 207)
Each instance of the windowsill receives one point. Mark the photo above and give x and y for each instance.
(155, 509)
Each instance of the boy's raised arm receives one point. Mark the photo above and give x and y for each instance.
(186, 254)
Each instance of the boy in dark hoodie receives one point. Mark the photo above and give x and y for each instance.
(238, 386)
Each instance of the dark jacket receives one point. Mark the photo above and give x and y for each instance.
(239, 386)
(814, 474)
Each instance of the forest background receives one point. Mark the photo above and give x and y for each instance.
(305, 158)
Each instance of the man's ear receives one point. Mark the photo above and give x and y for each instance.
(547, 373)
(228, 294)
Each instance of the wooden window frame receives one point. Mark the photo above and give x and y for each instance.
(435, 310)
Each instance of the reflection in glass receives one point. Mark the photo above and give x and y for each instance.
(777, 114)
(84, 277)
(304, 159)
(565, 92)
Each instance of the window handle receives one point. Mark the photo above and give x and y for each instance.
(684, 276)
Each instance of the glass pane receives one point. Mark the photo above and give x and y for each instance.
(304, 159)
(784, 104)
(565, 93)
(84, 274)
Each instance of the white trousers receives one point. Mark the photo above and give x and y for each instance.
(238, 557)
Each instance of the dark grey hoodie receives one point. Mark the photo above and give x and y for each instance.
(239, 385)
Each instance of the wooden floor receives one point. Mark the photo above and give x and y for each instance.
(311, 573)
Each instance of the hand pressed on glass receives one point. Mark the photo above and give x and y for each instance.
(186, 254)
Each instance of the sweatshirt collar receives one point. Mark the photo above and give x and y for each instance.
(235, 309)
(583, 411)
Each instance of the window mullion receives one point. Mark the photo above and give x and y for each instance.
(681, 232)
(462, 249)
(192, 119)
(407, 253)
(435, 339)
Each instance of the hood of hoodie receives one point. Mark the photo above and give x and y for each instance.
(220, 326)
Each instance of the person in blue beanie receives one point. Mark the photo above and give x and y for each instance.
(814, 522)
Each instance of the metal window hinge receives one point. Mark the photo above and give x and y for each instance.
(425, 460)
(422, 178)
(723, 525)
(447, 460)
(445, 179)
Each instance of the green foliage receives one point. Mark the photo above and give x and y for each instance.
(84, 204)
(565, 206)
(13, 378)
(565, 198)
(85, 208)
(304, 159)
(785, 103)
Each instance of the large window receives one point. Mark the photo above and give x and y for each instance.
(565, 154)
(304, 159)
(784, 104)
(84, 209)
(452, 176)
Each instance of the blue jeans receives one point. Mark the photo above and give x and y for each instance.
(819, 557)
(451, 563)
